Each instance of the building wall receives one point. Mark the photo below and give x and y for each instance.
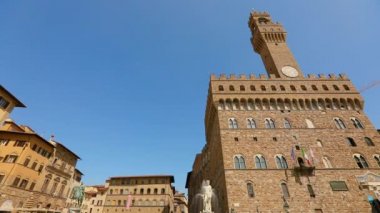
(319, 99)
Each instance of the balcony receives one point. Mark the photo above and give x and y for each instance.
(302, 170)
(55, 168)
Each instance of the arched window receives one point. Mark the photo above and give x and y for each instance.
(325, 87)
(141, 191)
(293, 88)
(148, 192)
(232, 123)
(251, 123)
(314, 87)
(368, 141)
(326, 162)
(287, 124)
(319, 143)
(253, 88)
(336, 87)
(221, 88)
(232, 88)
(250, 191)
(269, 123)
(300, 161)
(360, 161)
(346, 87)
(162, 191)
(260, 162)
(303, 87)
(351, 142)
(356, 122)
(309, 124)
(285, 191)
(339, 123)
(281, 162)
(273, 88)
(377, 159)
(282, 88)
(263, 88)
(239, 162)
(242, 88)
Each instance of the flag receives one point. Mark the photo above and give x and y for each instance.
(129, 201)
(292, 154)
(304, 154)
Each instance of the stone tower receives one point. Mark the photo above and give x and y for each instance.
(286, 142)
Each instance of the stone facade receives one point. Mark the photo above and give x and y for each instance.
(94, 200)
(286, 142)
(148, 194)
(35, 174)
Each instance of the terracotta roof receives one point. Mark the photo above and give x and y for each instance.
(18, 103)
(28, 133)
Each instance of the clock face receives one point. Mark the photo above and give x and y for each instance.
(289, 71)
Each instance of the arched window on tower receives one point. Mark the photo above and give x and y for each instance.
(357, 124)
(250, 191)
(350, 141)
(309, 124)
(287, 124)
(377, 159)
(269, 123)
(285, 191)
(260, 162)
(239, 162)
(221, 88)
(232, 88)
(232, 123)
(242, 88)
(281, 162)
(339, 123)
(251, 124)
(368, 141)
(360, 161)
(326, 162)
(282, 88)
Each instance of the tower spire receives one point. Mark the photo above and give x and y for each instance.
(269, 41)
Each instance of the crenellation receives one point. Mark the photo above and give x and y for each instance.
(311, 76)
(263, 77)
(332, 76)
(213, 77)
(243, 77)
(232, 77)
(223, 77)
(322, 76)
(252, 77)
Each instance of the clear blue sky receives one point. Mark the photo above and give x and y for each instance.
(124, 83)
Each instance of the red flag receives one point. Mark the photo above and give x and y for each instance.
(129, 202)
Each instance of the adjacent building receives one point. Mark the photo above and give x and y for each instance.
(95, 197)
(36, 175)
(286, 142)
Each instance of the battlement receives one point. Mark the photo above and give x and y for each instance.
(222, 77)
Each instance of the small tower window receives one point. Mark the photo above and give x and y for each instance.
(351, 142)
(314, 87)
(263, 88)
(273, 88)
(253, 88)
(232, 88)
(336, 87)
(309, 124)
(347, 88)
(325, 87)
(242, 88)
(285, 191)
(282, 88)
(377, 159)
(326, 162)
(368, 141)
(221, 88)
(250, 191)
(303, 87)
(293, 88)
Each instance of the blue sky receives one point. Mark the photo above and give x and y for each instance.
(124, 83)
